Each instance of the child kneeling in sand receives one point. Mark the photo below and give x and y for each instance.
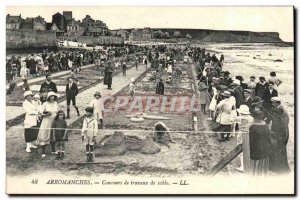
(89, 132)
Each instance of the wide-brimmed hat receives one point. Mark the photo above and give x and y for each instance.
(89, 109)
(226, 73)
(27, 93)
(244, 109)
(36, 96)
(256, 100)
(132, 80)
(239, 78)
(236, 82)
(97, 94)
(247, 91)
(226, 94)
(51, 94)
(276, 99)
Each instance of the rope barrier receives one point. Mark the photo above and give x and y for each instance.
(125, 130)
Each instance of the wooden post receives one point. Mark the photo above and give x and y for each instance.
(232, 155)
(246, 153)
(195, 122)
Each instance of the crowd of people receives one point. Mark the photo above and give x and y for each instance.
(237, 106)
(49, 62)
(45, 124)
(234, 105)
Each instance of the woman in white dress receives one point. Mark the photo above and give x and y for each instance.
(213, 102)
(24, 71)
(49, 111)
(30, 121)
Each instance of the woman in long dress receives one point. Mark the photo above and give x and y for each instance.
(260, 139)
(213, 103)
(30, 122)
(279, 138)
(204, 96)
(49, 110)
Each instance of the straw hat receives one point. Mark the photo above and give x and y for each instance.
(247, 90)
(27, 93)
(236, 82)
(132, 80)
(97, 94)
(276, 99)
(244, 109)
(226, 94)
(51, 94)
(36, 96)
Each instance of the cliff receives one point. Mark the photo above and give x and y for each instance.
(206, 35)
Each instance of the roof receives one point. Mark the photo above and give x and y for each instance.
(57, 14)
(13, 19)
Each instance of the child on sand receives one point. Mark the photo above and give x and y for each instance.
(131, 88)
(96, 103)
(25, 85)
(59, 134)
(89, 133)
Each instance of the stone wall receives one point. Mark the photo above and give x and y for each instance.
(19, 39)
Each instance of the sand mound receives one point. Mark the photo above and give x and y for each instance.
(118, 144)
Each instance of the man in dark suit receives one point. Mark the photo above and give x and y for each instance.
(71, 93)
(108, 75)
(227, 78)
(247, 97)
(48, 85)
(267, 96)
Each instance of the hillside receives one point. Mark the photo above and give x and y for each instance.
(205, 35)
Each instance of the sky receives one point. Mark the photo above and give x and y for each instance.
(259, 19)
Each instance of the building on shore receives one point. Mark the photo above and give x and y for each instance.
(121, 33)
(26, 24)
(59, 20)
(141, 34)
(13, 22)
(39, 23)
(75, 28)
(68, 16)
(94, 27)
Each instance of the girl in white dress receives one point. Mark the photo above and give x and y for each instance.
(24, 71)
(49, 111)
(213, 102)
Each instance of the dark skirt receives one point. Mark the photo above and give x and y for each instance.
(278, 158)
(31, 134)
(59, 135)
